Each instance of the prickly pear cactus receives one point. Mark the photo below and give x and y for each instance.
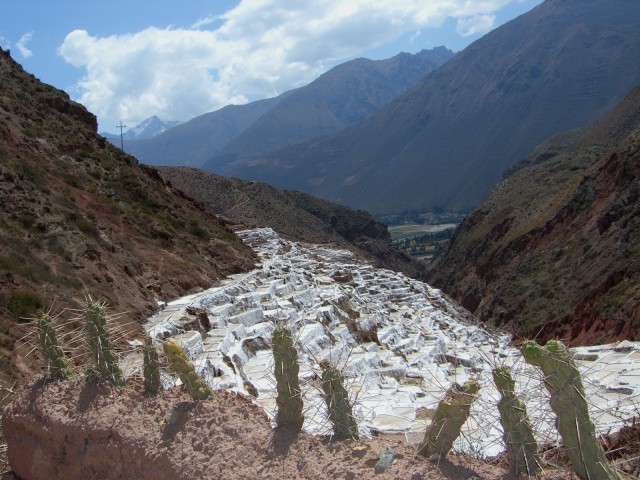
(151, 368)
(450, 415)
(564, 384)
(194, 383)
(286, 369)
(518, 435)
(51, 350)
(337, 400)
(105, 358)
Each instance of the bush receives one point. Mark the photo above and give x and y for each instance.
(22, 304)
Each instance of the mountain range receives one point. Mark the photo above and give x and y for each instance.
(554, 250)
(448, 140)
(343, 96)
(149, 128)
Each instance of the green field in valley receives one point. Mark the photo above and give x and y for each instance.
(422, 241)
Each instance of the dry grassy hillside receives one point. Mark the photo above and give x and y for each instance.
(296, 215)
(554, 251)
(78, 216)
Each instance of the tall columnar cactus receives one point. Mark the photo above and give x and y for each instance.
(194, 383)
(286, 369)
(151, 367)
(451, 413)
(337, 400)
(51, 350)
(568, 402)
(106, 360)
(518, 435)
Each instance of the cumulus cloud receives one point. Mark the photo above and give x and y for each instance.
(21, 45)
(255, 50)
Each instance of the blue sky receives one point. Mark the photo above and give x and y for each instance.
(177, 60)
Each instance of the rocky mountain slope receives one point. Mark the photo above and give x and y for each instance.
(298, 216)
(344, 95)
(77, 216)
(554, 250)
(447, 141)
(196, 141)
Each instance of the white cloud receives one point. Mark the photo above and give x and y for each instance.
(476, 24)
(21, 45)
(259, 48)
(203, 22)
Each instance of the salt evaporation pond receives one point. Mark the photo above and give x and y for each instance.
(426, 343)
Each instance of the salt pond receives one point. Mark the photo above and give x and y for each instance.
(425, 343)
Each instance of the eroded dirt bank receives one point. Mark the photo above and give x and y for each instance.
(74, 430)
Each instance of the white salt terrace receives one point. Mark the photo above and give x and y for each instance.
(424, 345)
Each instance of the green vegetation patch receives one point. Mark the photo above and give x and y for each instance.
(23, 303)
(86, 227)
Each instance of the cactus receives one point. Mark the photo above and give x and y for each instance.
(518, 436)
(151, 368)
(51, 351)
(568, 402)
(106, 360)
(450, 415)
(194, 383)
(289, 399)
(337, 400)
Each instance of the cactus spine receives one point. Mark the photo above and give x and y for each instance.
(194, 383)
(337, 400)
(151, 368)
(450, 415)
(563, 382)
(51, 350)
(518, 435)
(106, 360)
(286, 369)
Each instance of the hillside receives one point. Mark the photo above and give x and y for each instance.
(295, 215)
(447, 141)
(343, 96)
(78, 216)
(554, 250)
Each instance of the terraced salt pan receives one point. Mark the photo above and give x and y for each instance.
(426, 343)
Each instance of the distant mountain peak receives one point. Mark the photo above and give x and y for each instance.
(148, 128)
